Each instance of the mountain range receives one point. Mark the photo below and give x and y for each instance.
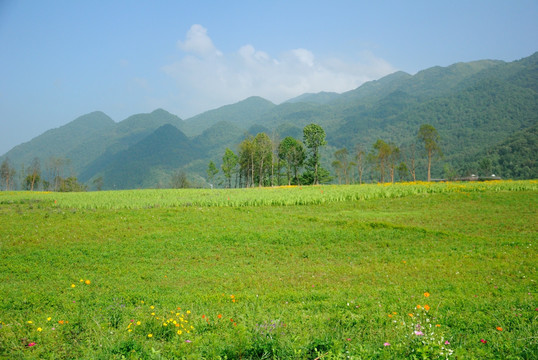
(485, 111)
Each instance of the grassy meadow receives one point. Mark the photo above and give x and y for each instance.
(412, 270)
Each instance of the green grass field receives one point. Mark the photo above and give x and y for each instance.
(330, 272)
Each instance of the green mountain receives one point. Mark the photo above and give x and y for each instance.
(482, 110)
(61, 141)
(149, 161)
(240, 114)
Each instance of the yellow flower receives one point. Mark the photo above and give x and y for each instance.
(129, 330)
(49, 318)
(73, 285)
(152, 314)
(30, 322)
(150, 335)
(152, 307)
(188, 311)
(141, 301)
(138, 323)
(81, 280)
(165, 324)
(39, 329)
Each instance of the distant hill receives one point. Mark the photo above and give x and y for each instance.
(61, 141)
(481, 109)
(240, 114)
(161, 152)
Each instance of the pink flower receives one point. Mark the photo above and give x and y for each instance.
(419, 333)
(31, 344)
(447, 342)
(483, 341)
(348, 339)
(188, 341)
(386, 344)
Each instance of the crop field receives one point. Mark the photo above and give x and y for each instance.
(423, 270)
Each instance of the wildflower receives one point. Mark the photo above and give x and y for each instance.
(438, 325)
(81, 280)
(483, 341)
(418, 306)
(138, 323)
(419, 333)
(165, 324)
(87, 282)
(426, 294)
(152, 314)
(30, 322)
(188, 311)
(49, 318)
(386, 344)
(390, 315)
(499, 328)
(31, 344)
(348, 339)
(447, 342)
(410, 314)
(152, 307)
(179, 332)
(426, 307)
(188, 341)
(39, 329)
(219, 316)
(73, 285)
(129, 330)
(150, 335)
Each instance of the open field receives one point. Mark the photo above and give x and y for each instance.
(328, 272)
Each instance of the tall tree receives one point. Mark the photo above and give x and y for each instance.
(314, 138)
(34, 174)
(229, 164)
(428, 134)
(246, 161)
(263, 154)
(394, 156)
(380, 155)
(342, 164)
(179, 180)
(292, 152)
(212, 171)
(359, 161)
(7, 173)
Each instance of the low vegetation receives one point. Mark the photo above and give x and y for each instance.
(414, 270)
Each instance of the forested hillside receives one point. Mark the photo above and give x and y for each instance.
(485, 113)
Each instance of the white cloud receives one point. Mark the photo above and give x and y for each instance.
(198, 42)
(207, 78)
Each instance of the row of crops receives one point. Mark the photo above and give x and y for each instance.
(277, 196)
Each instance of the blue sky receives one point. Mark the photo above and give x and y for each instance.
(61, 59)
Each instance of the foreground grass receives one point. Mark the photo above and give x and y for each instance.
(333, 280)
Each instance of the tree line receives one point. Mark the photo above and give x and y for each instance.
(34, 178)
(265, 161)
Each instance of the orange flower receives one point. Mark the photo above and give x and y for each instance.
(410, 314)
(426, 294)
(390, 315)
(499, 328)
(426, 307)
(219, 316)
(438, 325)
(418, 306)
(87, 282)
